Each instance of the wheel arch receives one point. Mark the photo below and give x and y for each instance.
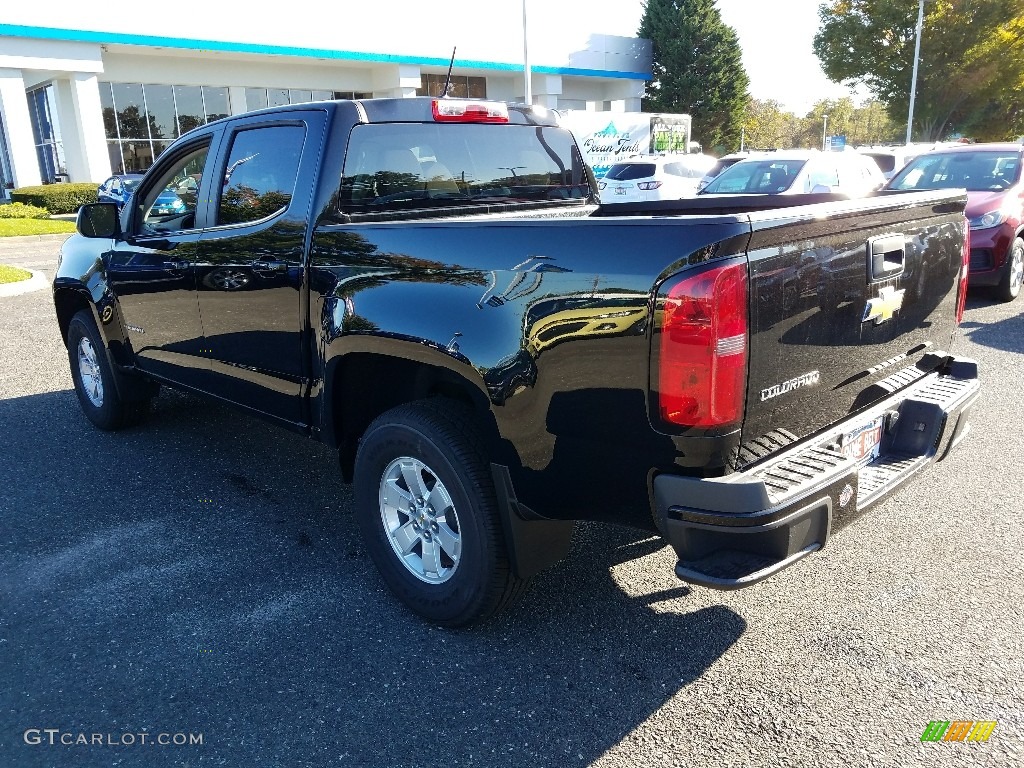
(68, 302)
(361, 385)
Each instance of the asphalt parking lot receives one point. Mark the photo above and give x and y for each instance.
(202, 574)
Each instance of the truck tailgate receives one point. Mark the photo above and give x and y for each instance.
(846, 306)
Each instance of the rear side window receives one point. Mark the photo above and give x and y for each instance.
(824, 174)
(886, 163)
(630, 171)
(408, 166)
(260, 176)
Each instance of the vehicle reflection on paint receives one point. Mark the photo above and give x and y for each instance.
(552, 321)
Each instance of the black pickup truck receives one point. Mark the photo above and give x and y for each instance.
(433, 288)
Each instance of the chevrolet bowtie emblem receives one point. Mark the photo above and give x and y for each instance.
(884, 306)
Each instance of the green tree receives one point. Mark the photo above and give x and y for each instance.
(697, 68)
(768, 126)
(971, 69)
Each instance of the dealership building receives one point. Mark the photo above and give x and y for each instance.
(93, 91)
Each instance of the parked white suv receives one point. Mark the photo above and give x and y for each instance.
(891, 160)
(644, 178)
(795, 172)
(720, 165)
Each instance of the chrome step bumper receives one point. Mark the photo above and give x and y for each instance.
(737, 530)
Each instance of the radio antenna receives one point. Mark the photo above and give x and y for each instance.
(448, 80)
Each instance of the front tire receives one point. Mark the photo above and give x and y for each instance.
(94, 378)
(427, 511)
(1009, 286)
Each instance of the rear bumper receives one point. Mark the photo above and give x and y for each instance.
(738, 530)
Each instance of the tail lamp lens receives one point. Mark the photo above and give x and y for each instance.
(965, 269)
(463, 111)
(648, 185)
(703, 349)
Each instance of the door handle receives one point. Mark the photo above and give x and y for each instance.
(887, 257)
(261, 265)
(176, 266)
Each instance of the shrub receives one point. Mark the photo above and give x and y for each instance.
(22, 211)
(56, 198)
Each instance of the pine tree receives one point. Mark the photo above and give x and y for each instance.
(697, 69)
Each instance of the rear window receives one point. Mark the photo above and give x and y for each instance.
(629, 171)
(408, 166)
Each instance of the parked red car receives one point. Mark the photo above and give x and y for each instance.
(991, 174)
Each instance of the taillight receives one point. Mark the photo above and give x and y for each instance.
(965, 269)
(463, 111)
(703, 349)
(648, 185)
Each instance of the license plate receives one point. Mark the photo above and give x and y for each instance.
(620, 190)
(864, 443)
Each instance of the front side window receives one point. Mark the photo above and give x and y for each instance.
(261, 172)
(170, 204)
(395, 166)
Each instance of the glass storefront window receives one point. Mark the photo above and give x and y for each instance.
(141, 120)
(42, 105)
(261, 98)
(160, 102)
(130, 105)
(191, 113)
(109, 115)
(256, 98)
(461, 86)
(216, 102)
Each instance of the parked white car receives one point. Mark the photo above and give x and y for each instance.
(891, 160)
(720, 165)
(644, 178)
(795, 172)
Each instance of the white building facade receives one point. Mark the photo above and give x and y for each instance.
(91, 91)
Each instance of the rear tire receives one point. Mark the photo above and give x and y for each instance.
(1009, 286)
(427, 511)
(94, 378)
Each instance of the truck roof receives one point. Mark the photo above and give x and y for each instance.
(415, 109)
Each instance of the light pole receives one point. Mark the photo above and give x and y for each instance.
(528, 97)
(824, 133)
(913, 77)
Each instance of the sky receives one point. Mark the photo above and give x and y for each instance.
(776, 37)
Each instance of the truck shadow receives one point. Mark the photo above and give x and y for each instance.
(1006, 334)
(202, 572)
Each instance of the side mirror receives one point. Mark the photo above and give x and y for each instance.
(98, 220)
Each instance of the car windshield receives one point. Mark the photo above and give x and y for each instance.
(130, 183)
(982, 170)
(756, 177)
(627, 171)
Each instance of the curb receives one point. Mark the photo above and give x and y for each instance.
(57, 237)
(37, 282)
